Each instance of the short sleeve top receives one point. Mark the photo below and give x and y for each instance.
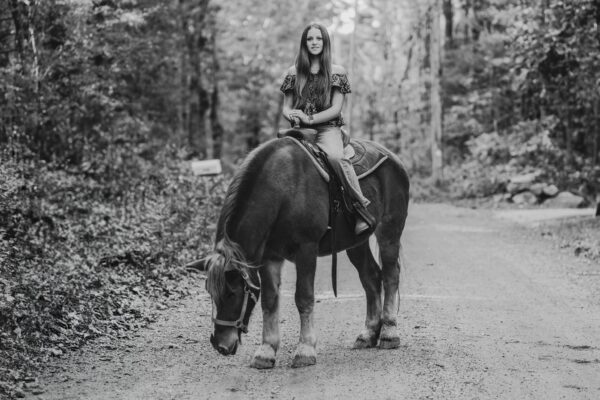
(310, 104)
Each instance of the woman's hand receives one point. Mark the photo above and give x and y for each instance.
(300, 115)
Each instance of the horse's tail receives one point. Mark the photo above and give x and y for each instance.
(401, 263)
(403, 267)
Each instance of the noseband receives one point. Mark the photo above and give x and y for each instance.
(249, 294)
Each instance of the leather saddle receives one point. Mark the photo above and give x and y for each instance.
(366, 156)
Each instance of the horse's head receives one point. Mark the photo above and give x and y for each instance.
(234, 287)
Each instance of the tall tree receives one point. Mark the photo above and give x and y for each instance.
(352, 65)
(436, 102)
(449, 18)
(196, 31)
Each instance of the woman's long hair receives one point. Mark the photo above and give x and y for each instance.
(303, 68)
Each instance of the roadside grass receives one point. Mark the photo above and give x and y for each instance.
(579, 235)
(82, 257)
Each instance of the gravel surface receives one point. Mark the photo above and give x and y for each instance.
(488, 311)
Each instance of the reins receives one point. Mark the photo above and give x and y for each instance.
(334, 209)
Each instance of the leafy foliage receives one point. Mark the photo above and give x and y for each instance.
(525, 96)
(75, 266)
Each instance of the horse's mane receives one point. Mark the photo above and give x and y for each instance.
(241, 185)
(227, 251)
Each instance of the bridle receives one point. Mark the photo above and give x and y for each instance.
(251, 292)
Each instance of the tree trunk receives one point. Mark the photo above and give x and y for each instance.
(543, 7)
(198, 127)
(215, 123)
(397, 133)
(216, 129)
(184, 76)
(436, 101)
(597, 99)
(35, 68)
(597, 131)
(6, 28)
(469, 27)
(449, 17)
(386, 83)
(19, 29)
(352, 59)
(567, 136)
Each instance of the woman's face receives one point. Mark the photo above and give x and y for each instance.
(314, 41)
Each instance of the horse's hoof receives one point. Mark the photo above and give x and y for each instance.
(365, 341)
(389, 338)
(264, 358)
(262, 363)
(305, 355)
(303, 361)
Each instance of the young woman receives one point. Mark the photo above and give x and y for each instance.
(314, 91)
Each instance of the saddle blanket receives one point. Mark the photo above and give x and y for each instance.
(365, 155)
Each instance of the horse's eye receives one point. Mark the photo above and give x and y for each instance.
(233, 280)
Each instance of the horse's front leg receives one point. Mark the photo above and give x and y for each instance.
(270, 274)
(306, 262)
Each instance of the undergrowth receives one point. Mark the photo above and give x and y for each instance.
(80, 256)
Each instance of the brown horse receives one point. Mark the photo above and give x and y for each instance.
(277, 209)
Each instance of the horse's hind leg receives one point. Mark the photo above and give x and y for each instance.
(270, 273)
(370, 277)
(389, 247)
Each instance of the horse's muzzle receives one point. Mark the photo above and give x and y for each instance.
(224, 350)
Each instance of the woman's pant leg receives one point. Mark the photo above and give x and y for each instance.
(330, 140)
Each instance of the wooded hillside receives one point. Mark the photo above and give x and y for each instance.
(102, 103)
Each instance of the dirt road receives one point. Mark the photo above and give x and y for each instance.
(488, 311)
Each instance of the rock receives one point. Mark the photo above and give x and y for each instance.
(55, 352)
(525, 178)
(31, 385)
(550, 190)
(525, 198)
(521, 183)
(537, 188)
(514, 188)
(498, 198)
(565, 200)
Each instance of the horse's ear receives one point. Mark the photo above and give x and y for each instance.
(200, 265)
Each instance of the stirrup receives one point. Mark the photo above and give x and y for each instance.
(361, 226)
(363, 216)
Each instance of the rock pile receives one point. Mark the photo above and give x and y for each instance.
(526, 189)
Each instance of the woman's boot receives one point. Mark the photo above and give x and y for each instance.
(364, 220)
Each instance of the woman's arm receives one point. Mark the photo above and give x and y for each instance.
(337, 102)
(288, 103)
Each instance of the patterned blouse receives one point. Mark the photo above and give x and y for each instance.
(311, 104)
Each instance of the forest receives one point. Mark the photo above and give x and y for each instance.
(104, 103)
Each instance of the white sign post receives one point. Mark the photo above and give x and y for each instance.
(206, 169)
